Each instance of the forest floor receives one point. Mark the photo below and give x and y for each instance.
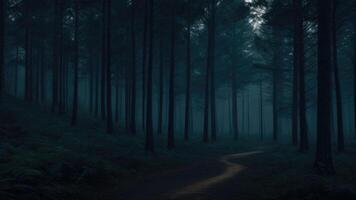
(43, 157)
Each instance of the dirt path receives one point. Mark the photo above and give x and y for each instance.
(188, 183)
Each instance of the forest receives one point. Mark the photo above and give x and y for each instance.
(177, 99)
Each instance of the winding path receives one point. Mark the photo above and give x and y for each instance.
(231, 170)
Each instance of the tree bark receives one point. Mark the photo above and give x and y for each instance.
(171, 142)
(188, 77)
(2, 45)
(212, 76)
(133, 74)
(144, 60)
(300, 65)
(149, 122)
(323, 159)
(109, 121)
(76, 64)
(339, 111)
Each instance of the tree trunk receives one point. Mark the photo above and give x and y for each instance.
(299, 64)
(212, 70)
(188, 77)
(16, 71)
(149, 122)
(104, 62)
(171, 106)
(2, 45)
(161, 86)
(323, 159)
(296, 56)
(109, 127)
(28, 70)
(133, 74)
(261, 111)
(144, 61)
(76, 64)
(235, 129)
(340, 125)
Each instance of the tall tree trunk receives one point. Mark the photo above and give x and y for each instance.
(261, 111)
(275, 83)
(144, 61)
(235, 128)
(76, 64)
(149, 122)
(61, 65)
(212, 70)
(104, 63)
(2, 45)
(96, 95)
(299, 64)
(109, 127)
(161, 86)
(339, 112)
(171, 106)
(354, 83)
(91, 82)
(188, 77)
(133, 74)
(55, 63)
(296, 56)
(16, 71)
(28, 70)
(323, 159)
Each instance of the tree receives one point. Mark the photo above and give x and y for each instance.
(28, 47)
(76, 63)
(299, 64)
(144, 59)
(149, 122)
(339, 117)
(323, 159)
(235, 128)
(171, 106)
(2, 44)
(188, 76)
(109, 126)
(133, 66)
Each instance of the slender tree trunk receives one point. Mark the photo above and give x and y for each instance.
(297, 21)
(76, 64)
(61, 66)
(188, 77)
(275, 93)
(300, 65)
(110, 127)
(96, 96)
(117, 91)
(212, 70)
(354, 83)
(91, 82)
(171, 106)
(104, 63)
(261, 111)
(235, 129)
(2, 45)
(149, 122)
(144, 61)
(133, 74)
(55, 57)
(28, 70)
(16, 71)
(161, 86)
(43, 75)
(339, 111)
(323, 159)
